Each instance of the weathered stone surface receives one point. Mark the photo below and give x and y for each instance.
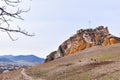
(84, 38)
(50, 57)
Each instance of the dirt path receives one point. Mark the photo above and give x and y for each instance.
(26, 77)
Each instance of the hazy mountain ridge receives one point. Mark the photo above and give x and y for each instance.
(3, 59)
(21, 59)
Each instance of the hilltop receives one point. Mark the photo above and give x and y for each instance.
(83, 39)
(98, 58)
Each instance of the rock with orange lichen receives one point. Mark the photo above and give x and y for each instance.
(83, 39)
(113, 41)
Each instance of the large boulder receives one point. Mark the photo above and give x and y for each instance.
(51, 56)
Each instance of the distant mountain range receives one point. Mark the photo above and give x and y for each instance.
(21, 59)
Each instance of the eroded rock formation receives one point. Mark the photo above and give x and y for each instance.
(84, 38)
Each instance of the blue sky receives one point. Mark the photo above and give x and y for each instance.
(54, 21)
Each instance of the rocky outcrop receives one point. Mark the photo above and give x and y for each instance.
(83, 39)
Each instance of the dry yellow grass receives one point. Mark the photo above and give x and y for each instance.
(97, 63)
(13, 75)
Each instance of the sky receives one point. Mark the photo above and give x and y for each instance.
(54, 21)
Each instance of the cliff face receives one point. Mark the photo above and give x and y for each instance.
(84, 38)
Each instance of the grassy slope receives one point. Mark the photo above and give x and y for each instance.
(13, 75)
(97, 63)
(101, 63)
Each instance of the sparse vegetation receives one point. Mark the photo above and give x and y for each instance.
(106, 66)
(67, 64)
(39, 74)
(109, 57)
(35, 73)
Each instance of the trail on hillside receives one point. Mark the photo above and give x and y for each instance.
(27, 77)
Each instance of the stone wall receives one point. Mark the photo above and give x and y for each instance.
(84, 38)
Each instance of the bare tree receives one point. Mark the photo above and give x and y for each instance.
(6, 17)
